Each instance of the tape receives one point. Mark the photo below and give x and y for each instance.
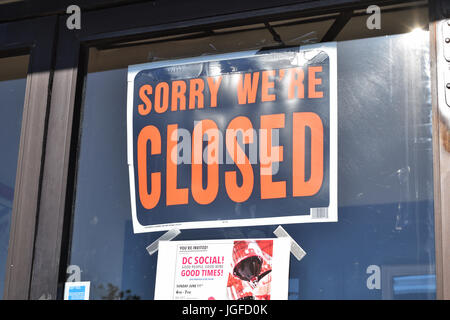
(169, 235)
(296, 250)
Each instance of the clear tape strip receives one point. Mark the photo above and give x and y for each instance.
(169, 235)
(296, 250)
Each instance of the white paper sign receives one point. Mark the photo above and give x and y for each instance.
(248, 269)
(77, 290)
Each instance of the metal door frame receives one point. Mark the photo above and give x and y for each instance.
(36, 38)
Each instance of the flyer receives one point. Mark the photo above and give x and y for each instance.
(247, 269)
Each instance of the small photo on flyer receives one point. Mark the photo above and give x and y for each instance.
(250, 277)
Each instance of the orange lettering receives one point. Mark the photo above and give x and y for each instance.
(300, 187)
(162, 89)
(242, 193)
(266, 85)
(148, 200)
(270, 189)
(178, 94)
(201, 195)
(213, 90)
(247, 90)
(313, 81)
(196, 87)
(145, 108)
(174, 195)
(297, 77)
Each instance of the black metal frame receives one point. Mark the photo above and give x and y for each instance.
(45, 267)
(33, 37)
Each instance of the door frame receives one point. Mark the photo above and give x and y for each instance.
(36, 38)
(440, 13)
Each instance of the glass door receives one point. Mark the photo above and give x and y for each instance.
(381, 247)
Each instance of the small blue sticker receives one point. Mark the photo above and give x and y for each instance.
(77, 293)
(77, 290)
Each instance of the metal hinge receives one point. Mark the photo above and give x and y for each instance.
(445, 38)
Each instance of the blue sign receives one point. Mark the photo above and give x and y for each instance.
(234, 140)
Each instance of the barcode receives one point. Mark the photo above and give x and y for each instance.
(319, 213)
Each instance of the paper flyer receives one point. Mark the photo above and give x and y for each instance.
(248, 269)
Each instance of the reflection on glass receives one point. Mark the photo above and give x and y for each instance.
(409, 287)
(12, 93)
(385, 184)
